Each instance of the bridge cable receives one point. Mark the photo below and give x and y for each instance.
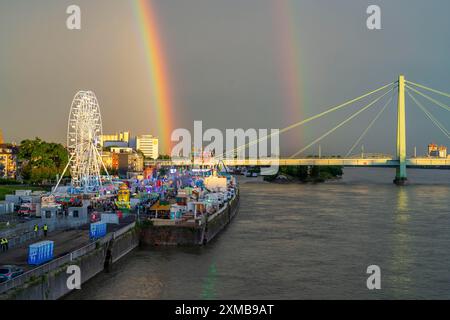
(429, 115)
(368, 128)
(438, 103)
(341, 124)
(429, 89)
(305, 121)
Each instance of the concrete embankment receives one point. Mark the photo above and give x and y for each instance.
(49, 282)
(190, 233)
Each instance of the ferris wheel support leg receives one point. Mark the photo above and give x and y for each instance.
(97, 167)
(62, 175)
(104, 167)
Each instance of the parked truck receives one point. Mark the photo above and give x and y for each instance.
(28, 209)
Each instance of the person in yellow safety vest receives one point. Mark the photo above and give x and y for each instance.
(3, 244)
(36, 228)
(45, 230)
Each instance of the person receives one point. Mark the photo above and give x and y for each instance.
(36, 229)
(2, 242)
(45, 230)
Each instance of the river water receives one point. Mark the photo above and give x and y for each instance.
(306, 242)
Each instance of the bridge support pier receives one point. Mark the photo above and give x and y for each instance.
(400, 177)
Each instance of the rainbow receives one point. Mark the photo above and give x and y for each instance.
(290, 66)
(157, 68)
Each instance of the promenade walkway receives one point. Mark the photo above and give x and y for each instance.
(65, 242)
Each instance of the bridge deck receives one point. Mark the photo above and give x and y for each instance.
(351, 162)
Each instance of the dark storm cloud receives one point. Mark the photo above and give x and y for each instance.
(224, 58)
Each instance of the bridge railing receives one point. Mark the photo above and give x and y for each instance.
(365, 160)
(124, 230)
(34, 273)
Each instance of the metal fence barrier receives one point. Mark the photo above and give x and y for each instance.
(20, 235)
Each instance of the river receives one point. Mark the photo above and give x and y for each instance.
(300, 241)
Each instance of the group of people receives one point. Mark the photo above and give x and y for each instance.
(102, 205)
(4, 244)
(44, 228)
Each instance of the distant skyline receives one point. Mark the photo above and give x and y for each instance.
(230, 63)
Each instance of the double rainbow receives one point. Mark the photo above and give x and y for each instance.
(159, 76)
(289, 49)
(157, 67)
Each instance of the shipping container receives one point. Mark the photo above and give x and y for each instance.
(40, 252)
(6, 207)
(110, 218)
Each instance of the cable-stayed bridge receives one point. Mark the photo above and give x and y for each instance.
(335, 161)
(383, 95)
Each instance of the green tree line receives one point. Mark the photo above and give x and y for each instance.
(308, 173)
(41, 161)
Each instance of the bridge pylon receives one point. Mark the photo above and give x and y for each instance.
(400, 177)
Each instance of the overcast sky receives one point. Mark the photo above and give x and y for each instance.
(228, 65)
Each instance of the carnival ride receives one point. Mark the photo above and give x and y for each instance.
(123, 198)
(83, 143)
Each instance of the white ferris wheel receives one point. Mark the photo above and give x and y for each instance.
(83, 142)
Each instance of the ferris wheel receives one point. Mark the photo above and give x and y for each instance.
(83, 142)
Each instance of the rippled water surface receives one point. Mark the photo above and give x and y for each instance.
(306, 242)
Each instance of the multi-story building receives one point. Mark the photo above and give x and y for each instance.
(148, 145)
(121, 139)
(8, 161)
(123, 161)
(121, 150)
(437, 151)
(111, 143)
(130, 162)
(432, 149)
(110, 160)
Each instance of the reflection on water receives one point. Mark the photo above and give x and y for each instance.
(306, 242)
(402, 204)
(401, 258)
(209, 284)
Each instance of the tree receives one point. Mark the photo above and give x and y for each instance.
(312, 173)
(41, 161)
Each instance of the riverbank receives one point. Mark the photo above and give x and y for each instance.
(283, 179)
(305, 174)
